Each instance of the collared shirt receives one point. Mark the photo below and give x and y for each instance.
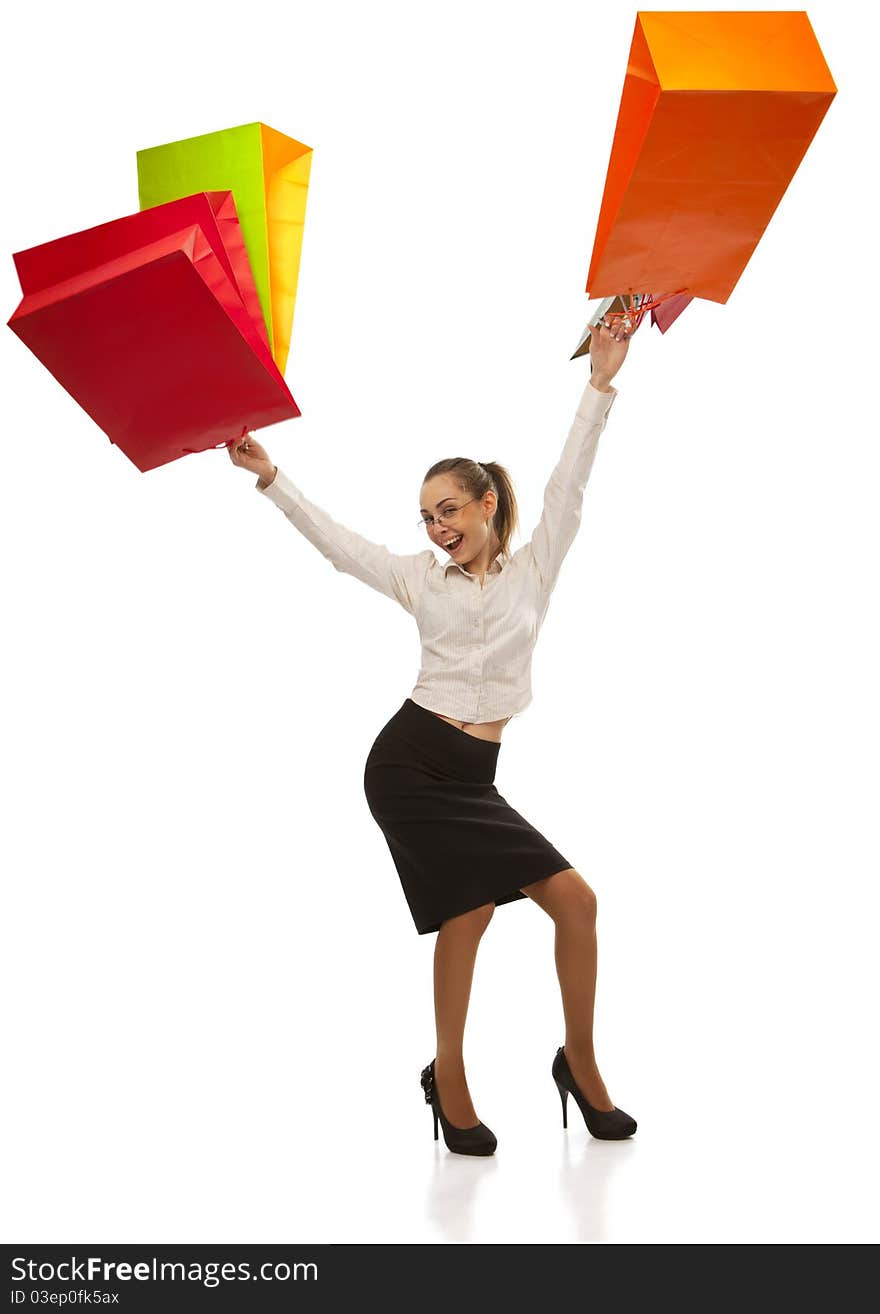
(477, 640)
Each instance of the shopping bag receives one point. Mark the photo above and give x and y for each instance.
(716, 114)
(67, 256)
(668, 311)
(144, 321)
(268, 174)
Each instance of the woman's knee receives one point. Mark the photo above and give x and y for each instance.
(565, 896)
(587, 902)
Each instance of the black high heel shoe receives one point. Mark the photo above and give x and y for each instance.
(604, 1124)
(461, 1140)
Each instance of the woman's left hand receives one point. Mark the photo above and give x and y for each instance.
(608, 348)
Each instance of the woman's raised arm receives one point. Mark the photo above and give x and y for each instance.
(398, 577)
(564, 494)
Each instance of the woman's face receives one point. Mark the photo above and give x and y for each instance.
(466, 527)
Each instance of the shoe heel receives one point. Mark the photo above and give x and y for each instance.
(605, 1124)
(461, 1140)
(563, 1095)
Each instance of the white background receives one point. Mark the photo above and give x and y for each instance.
(216, 1004)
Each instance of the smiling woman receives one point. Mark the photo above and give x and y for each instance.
(458, 846)
(469, 510)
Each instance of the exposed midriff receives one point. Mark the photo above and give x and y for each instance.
(479, 729)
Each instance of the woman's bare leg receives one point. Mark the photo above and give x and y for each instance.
(571, 903)
(454, 955)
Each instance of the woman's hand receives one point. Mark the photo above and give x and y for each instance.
(247, 453)
(608, 348)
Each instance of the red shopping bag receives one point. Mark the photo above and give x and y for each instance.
(147, 321)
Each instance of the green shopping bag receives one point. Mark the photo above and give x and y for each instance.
(268, 175)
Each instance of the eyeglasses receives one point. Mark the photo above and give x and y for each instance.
(449, 513)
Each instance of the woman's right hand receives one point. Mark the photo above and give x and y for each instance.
(247, 453)
(608, 348)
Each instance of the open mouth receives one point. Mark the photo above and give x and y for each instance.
(453, 544)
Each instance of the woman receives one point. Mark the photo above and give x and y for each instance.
(459, 848)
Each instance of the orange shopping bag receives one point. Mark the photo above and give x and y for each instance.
(716, 114)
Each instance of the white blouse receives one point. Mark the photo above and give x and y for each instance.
(477, 641)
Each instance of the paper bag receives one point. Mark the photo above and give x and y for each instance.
(268, 174)
(144, 321)
(716, 114)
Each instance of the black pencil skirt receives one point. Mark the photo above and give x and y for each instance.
(456, 843)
